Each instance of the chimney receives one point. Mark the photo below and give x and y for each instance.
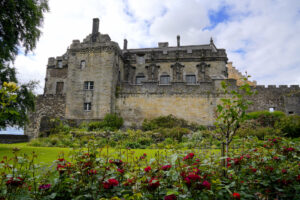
(125, 44)
(178, 40)
(95, 26)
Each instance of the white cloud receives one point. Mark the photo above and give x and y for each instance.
(265, 30)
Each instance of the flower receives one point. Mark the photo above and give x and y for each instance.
(193, 177)
(236, 195)
(284, 171)
(276, 158)
(189, 156)
(61, 159)
(92, 172)
(153, 183)
(147, 169)
(110, 183)
(45, 187)
(206, 184)
(166, 167)
(15, 182)
(121, 170)
(170, 197)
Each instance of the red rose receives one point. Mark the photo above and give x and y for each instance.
(253, 170)
(147, 169)
(170, 197)
(206, 184)
(113, 182)
(121, 170)
(60, 159)
(166, 167)
(236, 195)
(153, 183)
(193, 177)
(284, 171)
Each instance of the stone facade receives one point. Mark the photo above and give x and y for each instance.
(95, 77)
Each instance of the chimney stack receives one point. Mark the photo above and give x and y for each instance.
(125, 44)
(95, 26)
(178, 40)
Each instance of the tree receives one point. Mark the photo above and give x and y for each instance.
(20, 22)
(230, 113)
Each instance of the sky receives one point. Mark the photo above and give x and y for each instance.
(261, 37)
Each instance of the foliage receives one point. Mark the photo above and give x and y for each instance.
(7, 97)
(289, 125)
(231, 113)
(265, 118)
(169, 121)
(110, 121)
(20, 22)
(263, 171)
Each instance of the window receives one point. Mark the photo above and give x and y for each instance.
(82, 64)
(59, 64)
(164, 79)
(291, 112)
(59, 87)
(87, 106)
(190, 79)
(139, 79)
(89, 85)
(140, 59)
(271, 109)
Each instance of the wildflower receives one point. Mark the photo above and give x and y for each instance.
(45, 187)
(147, 169)
(153, 184)
(170, 197)
(166, 167)
(236, 195)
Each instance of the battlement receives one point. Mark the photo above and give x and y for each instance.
(295, 87)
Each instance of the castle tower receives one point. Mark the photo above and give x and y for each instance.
(93, 66)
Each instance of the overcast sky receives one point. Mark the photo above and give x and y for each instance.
(261, 37)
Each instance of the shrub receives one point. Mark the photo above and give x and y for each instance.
(259, 132)
(169, 121)
(265, 118)
(113, 121)
(289, 125)
(92, 126)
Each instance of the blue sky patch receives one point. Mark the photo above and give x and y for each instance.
(217, 16)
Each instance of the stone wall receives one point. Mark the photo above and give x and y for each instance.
(47, 107)
(282, 98)
(9, 139)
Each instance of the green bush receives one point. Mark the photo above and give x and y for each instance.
(97, 125)
(133, 145)
(113, 121)
(169, 121)
(259, 132)
(265, 118)
(110, 122)
(289, 125)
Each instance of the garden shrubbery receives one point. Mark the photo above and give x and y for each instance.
(268, 170)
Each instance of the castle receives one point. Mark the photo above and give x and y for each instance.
(95, 77)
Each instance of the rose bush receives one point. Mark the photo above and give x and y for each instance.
(263, 171)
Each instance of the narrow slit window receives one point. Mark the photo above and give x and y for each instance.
(82, 64)
(87, 106)
(59, 87)
(271, 109)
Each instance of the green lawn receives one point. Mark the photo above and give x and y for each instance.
(46, 155)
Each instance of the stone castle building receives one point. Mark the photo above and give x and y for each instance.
(95, 77)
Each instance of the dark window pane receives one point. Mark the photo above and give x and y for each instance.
(140, 79)
(59, 87)
(191, 79)
(165, 79)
